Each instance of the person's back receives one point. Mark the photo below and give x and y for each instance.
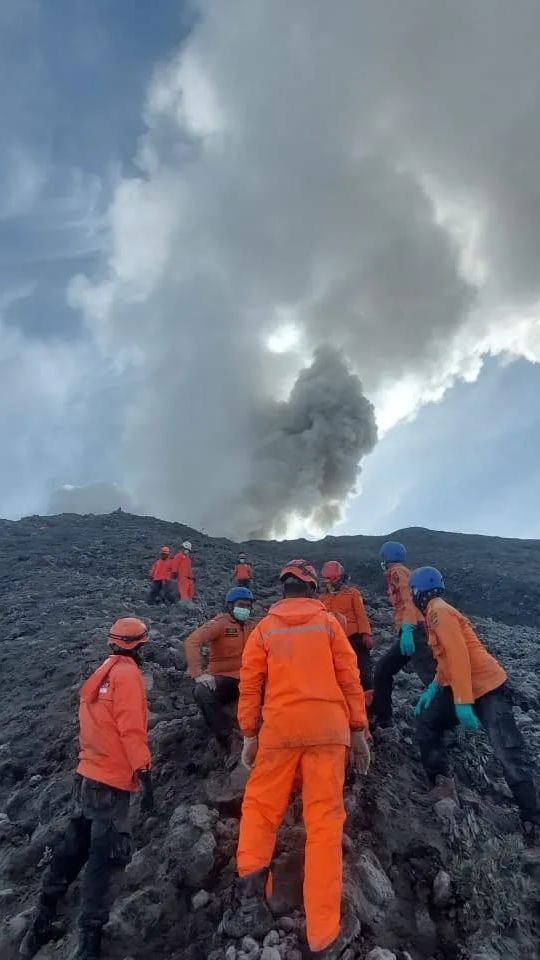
(304, 703)
(348, 601)
(399, 594)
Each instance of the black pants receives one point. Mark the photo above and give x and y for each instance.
(161, 590)
(391, 663)
(494, 710)
(363, 657)
(98, 835)
(211, 703)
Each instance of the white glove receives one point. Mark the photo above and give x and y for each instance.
(360, 753)
(207, 680)
(249, 752)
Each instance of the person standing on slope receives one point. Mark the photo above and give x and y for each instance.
(340, 598)
(411, 644)
(225, 638)
(469, 689)
(114, 763)
(160, 574)
(243, 572)
(182, 571)
(299, 672)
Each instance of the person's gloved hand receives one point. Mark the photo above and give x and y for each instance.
(207, 680)
(406, 640)
(360, 758)
(427, 697)
(367, 640)
(466, 716)
(147, 791)
(249, 752)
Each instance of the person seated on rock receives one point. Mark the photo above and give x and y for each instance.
(182, 572)
(411, 645)
(299, 673)
(160, 574)
(243, 572)
(114, 763)
(469, 689)
(225, 637)
(340, 598)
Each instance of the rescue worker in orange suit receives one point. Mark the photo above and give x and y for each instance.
(114, 764)
(243, 572)
(160, 574)
(225, 638)
(469, 689)
(299, 672)
(340, 598)
(411, 645)
(182, 572)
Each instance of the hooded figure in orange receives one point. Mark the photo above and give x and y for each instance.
(341, 598)
(114, 764)
(182, 571)
(301, 708)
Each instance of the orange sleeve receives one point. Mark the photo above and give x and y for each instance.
(151, 570)
(409, 611)
(457, 664)
(235, 572)
(130, 717)
(363, 623)
(201, 637)
(253, 673)
(347, 676)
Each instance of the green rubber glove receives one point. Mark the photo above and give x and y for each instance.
(427, 697)
(406, 640)
(466, 716)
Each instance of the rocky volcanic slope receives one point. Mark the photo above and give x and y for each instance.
(444, 882)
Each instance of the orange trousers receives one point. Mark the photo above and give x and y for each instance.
(186, 587)
(265, 803)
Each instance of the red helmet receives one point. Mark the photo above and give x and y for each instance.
(333, 571)
(300, 569)
(128, 633)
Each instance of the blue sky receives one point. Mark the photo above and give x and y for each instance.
(181, 186)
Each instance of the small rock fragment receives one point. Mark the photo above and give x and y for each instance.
(446, 809)
(442, 889)
(200, 899)
(270, 953)
(380, 953)
(271, 939)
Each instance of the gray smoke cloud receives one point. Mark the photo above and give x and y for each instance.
(360, 176)
(89, 498)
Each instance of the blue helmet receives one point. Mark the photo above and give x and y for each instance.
(392, 552)
(425, 579)
(239, 593)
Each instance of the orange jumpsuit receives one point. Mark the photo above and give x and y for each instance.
(225, 639)
(300, 692)
(399, 593)
(161, 569)
(184, 571)
(243, 573)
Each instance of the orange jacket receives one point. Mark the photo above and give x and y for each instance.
(243, 571)
(349, 602)
(161, 570)
(113, 718)
(399, 594)
(463, 662)
(181, 565)
(301, 672)
(225, 638)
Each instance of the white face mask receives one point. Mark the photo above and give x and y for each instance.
(241, 614)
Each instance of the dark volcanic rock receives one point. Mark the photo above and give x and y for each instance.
(426, 883)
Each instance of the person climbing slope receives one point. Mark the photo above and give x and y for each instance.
(114, 763)
(340, 598)
(243, 572)
(469, 689)
(411, 645)
(160, 574)
(299, 670)
(225, 637)
(182, 572)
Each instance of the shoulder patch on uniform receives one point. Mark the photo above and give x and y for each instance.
(433, 619)
(231, 632)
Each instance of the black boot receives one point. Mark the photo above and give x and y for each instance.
(249, 913)
(350, 930)
(89, 943)
(40, 931)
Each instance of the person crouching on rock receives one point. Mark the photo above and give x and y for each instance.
(411, 644)
(469, 689)
(338, 597)
(300, 672)
(225, 637)
(114, 764)
(160, 574)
